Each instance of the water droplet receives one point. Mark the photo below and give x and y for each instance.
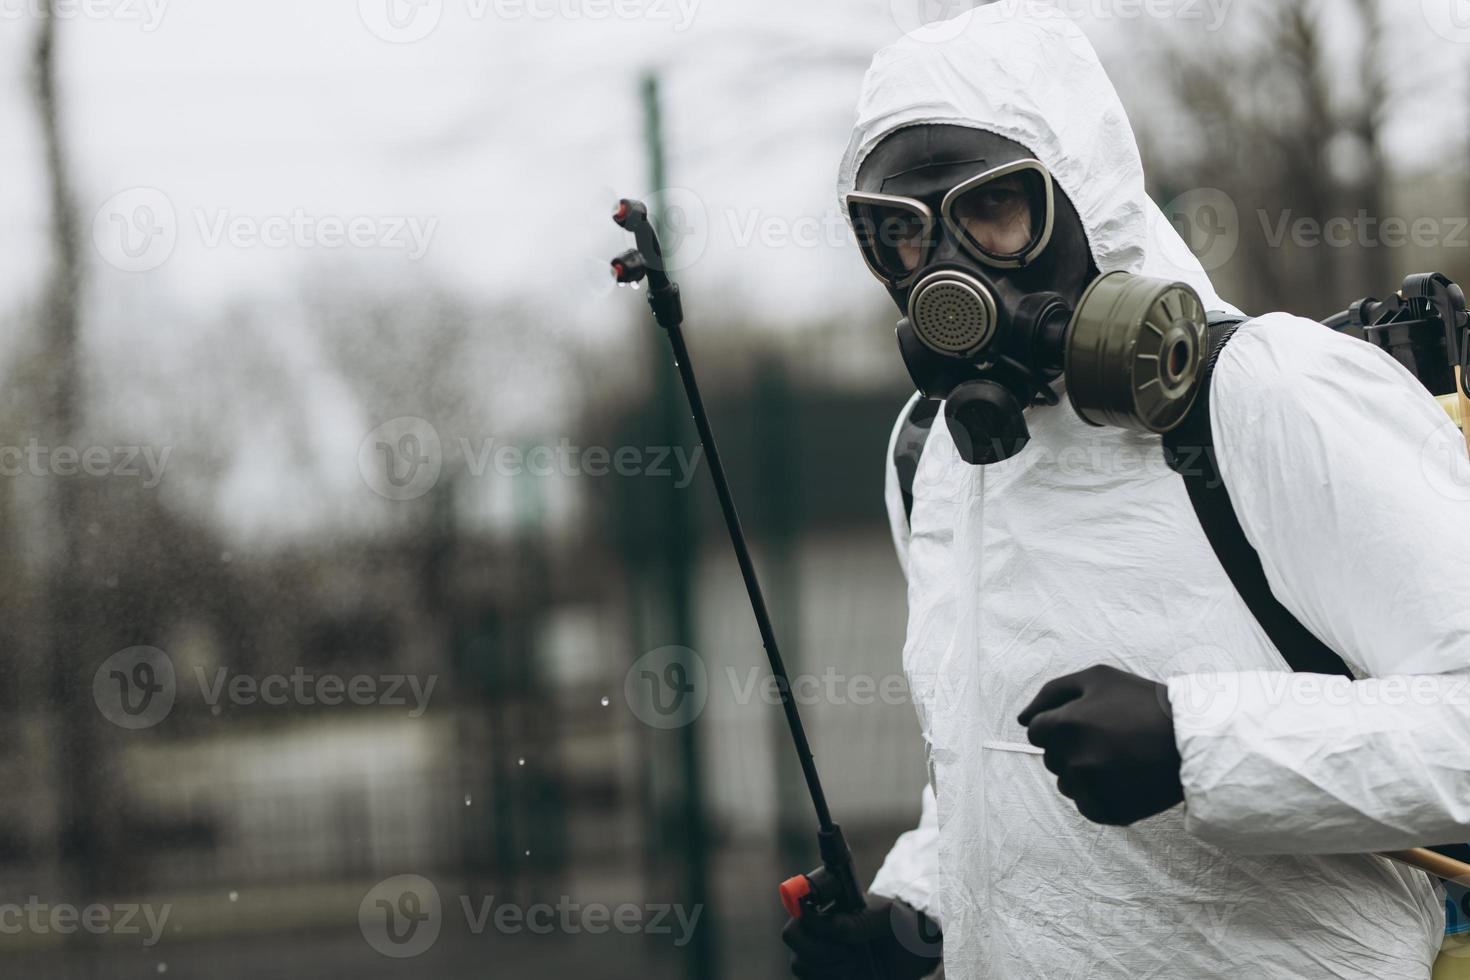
(635, 287)
(606, 701)
(225, 556)
(467, 799)
(163, 968)
(234, 896)
(528, 854)
(520, 762)
(214, 709)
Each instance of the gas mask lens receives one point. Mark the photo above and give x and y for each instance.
(894, 233)
(1003, 216)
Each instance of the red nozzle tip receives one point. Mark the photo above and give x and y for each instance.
(621, 212)
(793, 890)
(618, 269)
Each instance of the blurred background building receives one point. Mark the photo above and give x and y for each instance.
(323, 292)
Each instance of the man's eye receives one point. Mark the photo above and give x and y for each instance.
(996, 200)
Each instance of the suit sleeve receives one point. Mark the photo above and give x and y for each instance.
(1354, 487)
(910, 872)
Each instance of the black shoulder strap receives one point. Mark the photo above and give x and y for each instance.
(909, 446)
(1190, 451)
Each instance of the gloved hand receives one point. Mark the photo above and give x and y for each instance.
(906, 943)
(1109, 738)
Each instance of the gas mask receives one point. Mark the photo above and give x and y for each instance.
(989, 264)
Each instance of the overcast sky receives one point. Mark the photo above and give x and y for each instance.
(255, 145)
(485, 151)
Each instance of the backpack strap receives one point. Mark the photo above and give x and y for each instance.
(909, 446)
(1189, 449)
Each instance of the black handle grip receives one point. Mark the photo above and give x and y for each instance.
(830, 889)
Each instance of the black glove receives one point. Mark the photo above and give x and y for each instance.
(1109, 737)
(906, 944)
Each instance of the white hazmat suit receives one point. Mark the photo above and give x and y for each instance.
(1083, 549)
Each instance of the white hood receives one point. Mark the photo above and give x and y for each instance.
(1025, 71)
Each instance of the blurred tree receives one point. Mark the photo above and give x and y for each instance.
(1298, 146)
(77, 737)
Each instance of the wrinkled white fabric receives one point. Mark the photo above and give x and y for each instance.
(1359, 506)
(1084, 549)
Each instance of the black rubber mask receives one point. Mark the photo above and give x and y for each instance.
(986, 259)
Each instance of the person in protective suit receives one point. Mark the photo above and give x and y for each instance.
(1080, 661)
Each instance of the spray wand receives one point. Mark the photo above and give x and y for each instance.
(833, 887)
